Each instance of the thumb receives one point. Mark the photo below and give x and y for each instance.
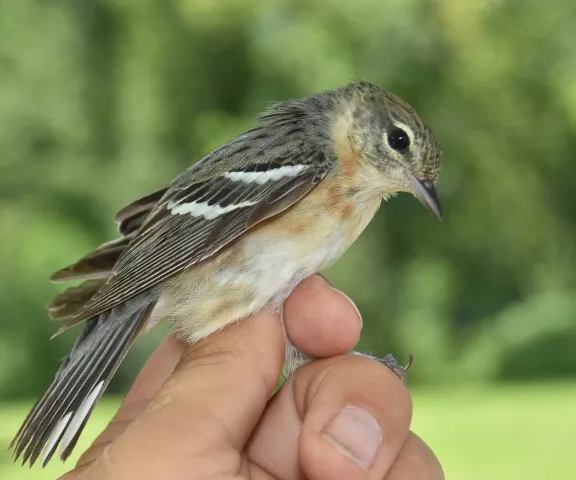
(208, 407)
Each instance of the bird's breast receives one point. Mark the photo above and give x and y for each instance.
(263, 267)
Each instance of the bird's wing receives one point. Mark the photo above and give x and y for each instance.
(130, 218)
(99, 263)
(96, 267)
(208, 206)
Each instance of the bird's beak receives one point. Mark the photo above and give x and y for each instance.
(425, 192)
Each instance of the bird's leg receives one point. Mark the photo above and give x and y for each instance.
(295, 359)
(389, 361)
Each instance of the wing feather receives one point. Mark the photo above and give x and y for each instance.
(129, 218)
(206, 208)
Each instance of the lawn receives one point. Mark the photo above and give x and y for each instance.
(515, 432)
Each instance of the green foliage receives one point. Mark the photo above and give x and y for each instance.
(103, 101)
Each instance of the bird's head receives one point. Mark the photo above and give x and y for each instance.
(394, 141)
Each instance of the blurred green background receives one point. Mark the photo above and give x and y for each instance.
(104, 101)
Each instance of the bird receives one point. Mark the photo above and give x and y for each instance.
(233, 234)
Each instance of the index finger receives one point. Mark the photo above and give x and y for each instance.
(207, 407)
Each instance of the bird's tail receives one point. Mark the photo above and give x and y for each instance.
(60, 415)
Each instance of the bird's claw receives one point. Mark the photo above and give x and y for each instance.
(389, 361)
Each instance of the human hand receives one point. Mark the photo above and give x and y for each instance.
(204, 411)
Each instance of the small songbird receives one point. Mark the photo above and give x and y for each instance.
(233, 234)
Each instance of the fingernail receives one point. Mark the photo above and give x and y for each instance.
(355, 433)
(351, 303)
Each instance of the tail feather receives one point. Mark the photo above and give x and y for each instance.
(73, 401)
(58, 418)
(38, 420)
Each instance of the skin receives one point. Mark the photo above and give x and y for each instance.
(180, 419)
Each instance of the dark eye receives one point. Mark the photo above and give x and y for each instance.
(398, 139)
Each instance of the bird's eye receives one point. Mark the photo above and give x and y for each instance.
(398, 140)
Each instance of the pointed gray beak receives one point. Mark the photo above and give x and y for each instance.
(425, 192)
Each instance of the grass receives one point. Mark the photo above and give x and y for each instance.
(521, 432)
(506, 433)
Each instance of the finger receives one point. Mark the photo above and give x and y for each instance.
(154, 373)
(208, 407)
(340, 418)
(320, 320)
(416, 462)
(318, 315)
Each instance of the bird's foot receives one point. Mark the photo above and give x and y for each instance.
(389, 361)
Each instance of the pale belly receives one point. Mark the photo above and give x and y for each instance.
(259, 270)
